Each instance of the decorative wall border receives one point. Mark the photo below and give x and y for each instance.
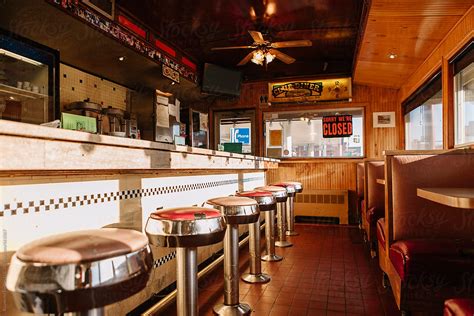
(161, 261)
(51, 204)
(123, 36)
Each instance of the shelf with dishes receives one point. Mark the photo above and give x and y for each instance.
(19, 94)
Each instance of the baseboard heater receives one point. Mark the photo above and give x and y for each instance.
(324, 204)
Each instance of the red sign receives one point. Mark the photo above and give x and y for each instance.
(337, 126)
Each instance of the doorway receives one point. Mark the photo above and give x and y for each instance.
(236, 126)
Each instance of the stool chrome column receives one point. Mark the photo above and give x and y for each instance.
(266, 203)
(79, 272)
(186, 228)
(280, 195)
(236, 210)
(290, 205)
(281, 215)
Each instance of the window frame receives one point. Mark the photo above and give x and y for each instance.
(467, 50)
(419, 96)
(315, 108)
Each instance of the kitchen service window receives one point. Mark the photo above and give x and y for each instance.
(315, 134)
(463, 66)
(424, 117)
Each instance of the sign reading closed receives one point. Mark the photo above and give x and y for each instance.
(337, 126)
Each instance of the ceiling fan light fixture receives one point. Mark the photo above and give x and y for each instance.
(258, 57)
(269, 57)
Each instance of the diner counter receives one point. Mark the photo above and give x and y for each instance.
(32, 147)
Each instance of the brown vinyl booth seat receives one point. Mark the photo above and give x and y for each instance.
(430, 255)
(360, 191)
(374, 201)
(459, 307)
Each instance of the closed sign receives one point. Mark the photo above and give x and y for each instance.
(337, 126)
(240, 135)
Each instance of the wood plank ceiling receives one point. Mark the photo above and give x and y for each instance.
(197, 26)
(410, 30)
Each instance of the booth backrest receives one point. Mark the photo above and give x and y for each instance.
(375, 191)
(416, 217)
(360, 180)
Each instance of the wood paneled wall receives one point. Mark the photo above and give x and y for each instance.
(327, 173)
(371, 98)
(317, 174)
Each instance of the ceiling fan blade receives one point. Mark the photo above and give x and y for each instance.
(301, 43)
(231, 47)
(257, 37)
(246, 59)
(281, 56)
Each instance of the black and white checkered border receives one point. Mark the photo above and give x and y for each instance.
(161, 261)
(16, 208)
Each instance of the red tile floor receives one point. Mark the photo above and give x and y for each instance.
(328, 271)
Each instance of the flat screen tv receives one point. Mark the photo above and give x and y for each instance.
(220, 80)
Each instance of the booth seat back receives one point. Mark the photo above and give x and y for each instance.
(375, 191)
(416, 217)
(360, 180)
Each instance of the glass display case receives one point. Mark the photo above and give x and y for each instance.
(28, 80)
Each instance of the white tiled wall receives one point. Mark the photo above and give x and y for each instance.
(76, 85)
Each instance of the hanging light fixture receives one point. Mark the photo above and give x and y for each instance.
(269, 57)
(262, 56)
(258, 57)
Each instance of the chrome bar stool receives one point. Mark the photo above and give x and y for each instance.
(266, 203)
(280, 195)
(186, 228)
(79, 272)
(290, 205)
(281, 214)
(236, 210)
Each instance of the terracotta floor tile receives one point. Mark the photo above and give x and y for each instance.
(328, 271)
(298, 311)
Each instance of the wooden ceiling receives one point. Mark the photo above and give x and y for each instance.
(410, 30)
(197, 26)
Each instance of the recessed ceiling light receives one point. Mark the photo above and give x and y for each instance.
(173, 83)
(392, 56)
(121, 58)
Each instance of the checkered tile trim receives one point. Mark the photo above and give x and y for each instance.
(159, 262)
(52, 204)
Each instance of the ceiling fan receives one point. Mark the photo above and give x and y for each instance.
(265, 51)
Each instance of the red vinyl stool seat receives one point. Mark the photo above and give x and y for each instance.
(78, 272)
(186, 228)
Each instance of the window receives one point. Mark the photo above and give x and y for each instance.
(464, 97)
(300, 135)
(424, 117)
(237, 131)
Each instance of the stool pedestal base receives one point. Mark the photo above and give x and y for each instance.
(231, 305)
(256, 278)
(232, 310)
(283, 244)
(290, 217)
(272, 257)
